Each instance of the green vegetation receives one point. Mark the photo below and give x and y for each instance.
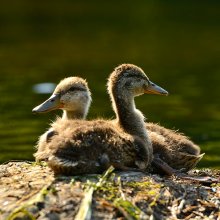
(109, 189)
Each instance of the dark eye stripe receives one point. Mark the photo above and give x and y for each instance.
(76, 89)
(137, 77)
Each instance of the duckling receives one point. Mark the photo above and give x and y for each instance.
(92, 146)
(128, 118)
(167, 145)
(73, 96)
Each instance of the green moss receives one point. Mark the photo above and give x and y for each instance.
(141, 185)
(39, 163)
(131, 210)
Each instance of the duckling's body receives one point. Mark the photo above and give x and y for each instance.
(91, 147)
(173, 147)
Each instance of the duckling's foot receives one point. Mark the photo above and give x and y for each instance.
(104, 161)
(141, 164)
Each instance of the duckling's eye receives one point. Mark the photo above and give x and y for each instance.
(129, 84)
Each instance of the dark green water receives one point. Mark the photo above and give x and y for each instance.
(177, 44)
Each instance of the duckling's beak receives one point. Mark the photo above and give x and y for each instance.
(155, 89)
(50, 104)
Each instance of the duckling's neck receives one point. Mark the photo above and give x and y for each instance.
(73, 115)
(129, 118)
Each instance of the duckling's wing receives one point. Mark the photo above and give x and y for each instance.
(70, 167)
(171, 140)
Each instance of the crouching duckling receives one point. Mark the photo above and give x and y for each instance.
(91, 146)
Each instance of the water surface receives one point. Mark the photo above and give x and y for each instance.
(177, 44)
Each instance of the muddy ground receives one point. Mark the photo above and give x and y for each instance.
(31, 191)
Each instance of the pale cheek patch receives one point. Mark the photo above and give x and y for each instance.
(73, 101)
(76, 96)
(65, 99)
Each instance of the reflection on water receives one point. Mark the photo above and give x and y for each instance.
(44, 88)
(177, 44)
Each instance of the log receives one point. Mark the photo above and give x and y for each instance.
(30, 190)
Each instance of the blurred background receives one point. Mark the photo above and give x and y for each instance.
(177, 43)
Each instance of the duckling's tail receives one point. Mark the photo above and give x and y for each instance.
(193, 161)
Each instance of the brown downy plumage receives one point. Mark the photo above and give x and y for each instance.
(173, 148)
(73, 96)
(91, 146)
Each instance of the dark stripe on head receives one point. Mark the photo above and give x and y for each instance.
(76, 88)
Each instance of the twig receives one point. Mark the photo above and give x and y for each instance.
(85, 211)
(39, 197)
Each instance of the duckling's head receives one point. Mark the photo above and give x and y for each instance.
(128, 80)
(71, 95)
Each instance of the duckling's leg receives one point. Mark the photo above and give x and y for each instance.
(163, 166)
(157, 162)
